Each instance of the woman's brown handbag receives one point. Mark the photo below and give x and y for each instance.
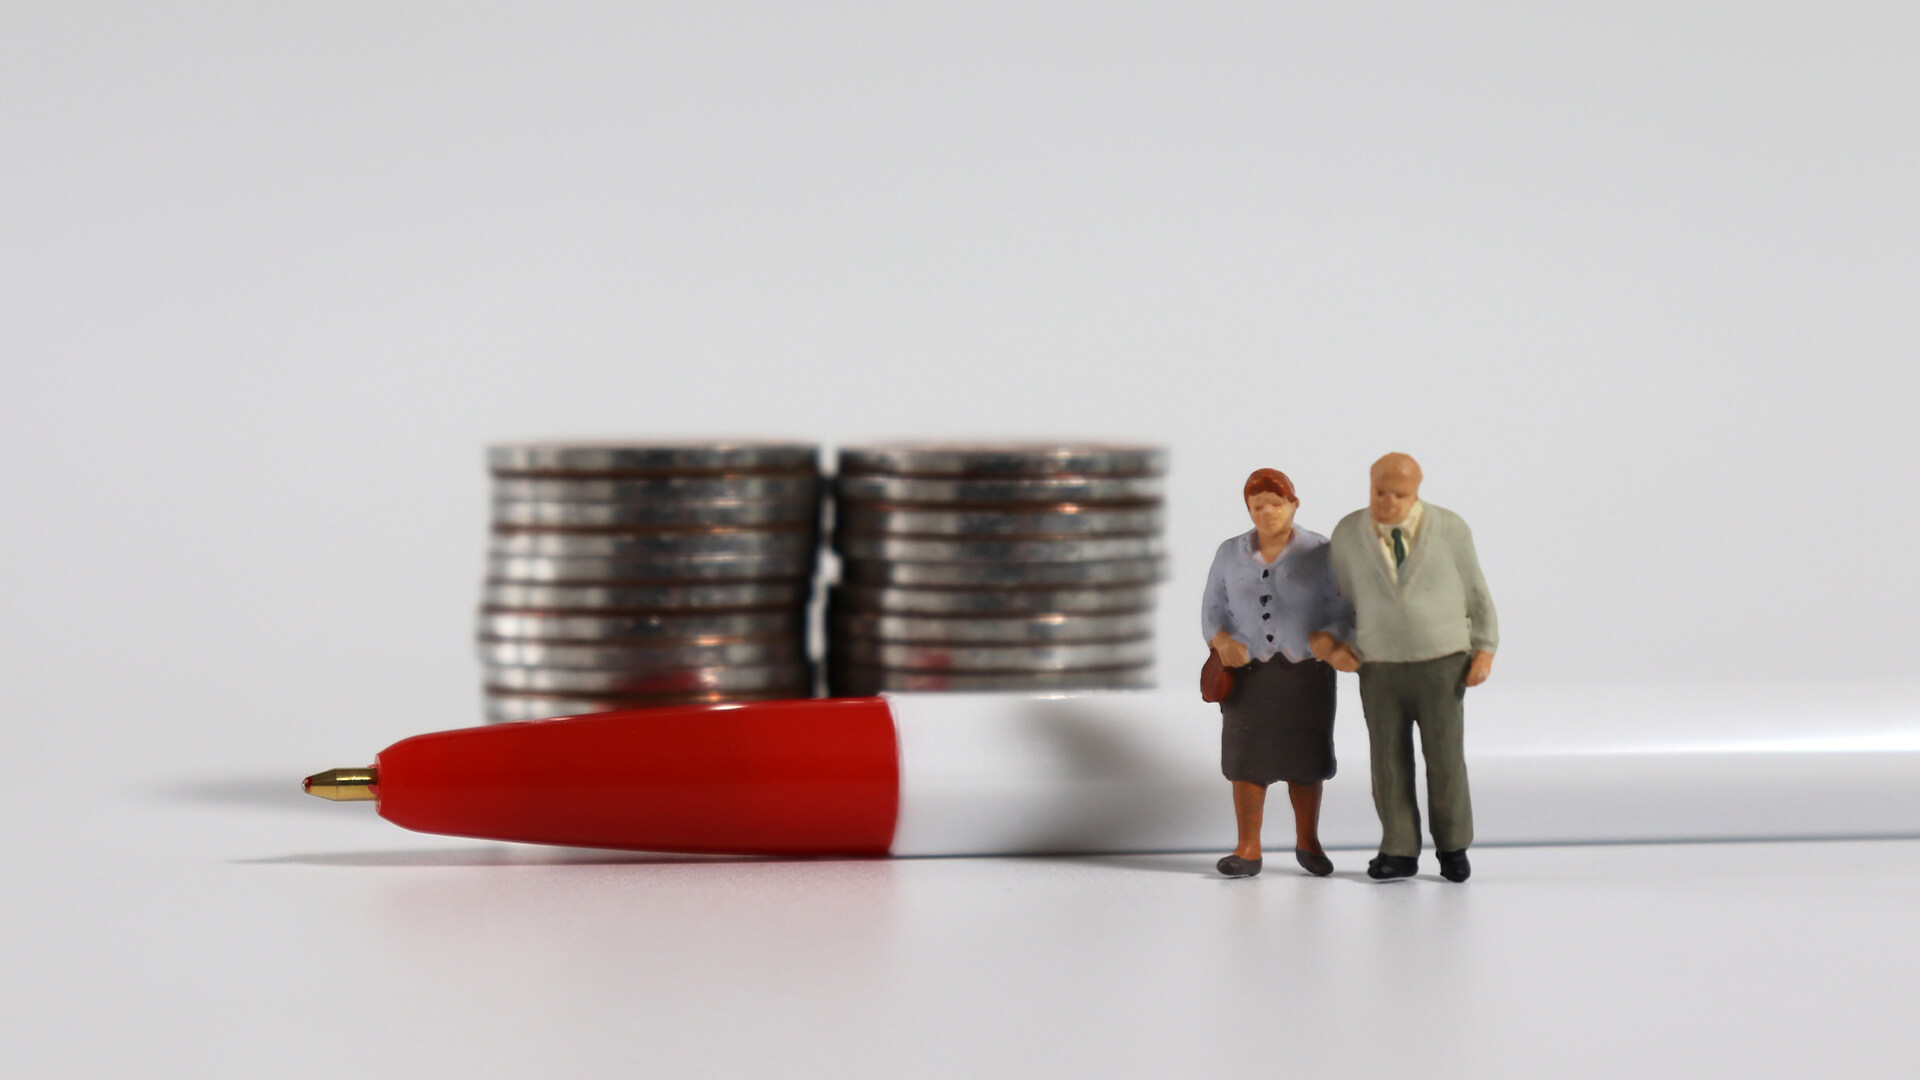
(1216, 679)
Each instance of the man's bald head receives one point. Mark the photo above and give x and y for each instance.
(1396, 464)
(1395, 487)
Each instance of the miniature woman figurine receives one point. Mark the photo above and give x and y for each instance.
(1268, 591)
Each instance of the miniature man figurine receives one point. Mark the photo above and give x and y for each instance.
(1424, 631)
(1268, 591)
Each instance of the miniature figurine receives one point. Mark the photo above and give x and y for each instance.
(1424, 631)
(1269, 590)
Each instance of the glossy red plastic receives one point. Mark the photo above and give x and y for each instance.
(761, 778)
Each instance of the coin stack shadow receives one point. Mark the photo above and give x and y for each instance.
(627, 575)
(995, 567)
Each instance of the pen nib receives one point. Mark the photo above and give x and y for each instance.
(344, 785)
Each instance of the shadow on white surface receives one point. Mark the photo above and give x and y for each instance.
(501, 855)
(239, 792)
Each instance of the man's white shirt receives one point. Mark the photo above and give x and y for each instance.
(1409, 532)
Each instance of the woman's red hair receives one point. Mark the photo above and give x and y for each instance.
(1272, 480)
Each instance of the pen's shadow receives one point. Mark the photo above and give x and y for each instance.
(513, 856)
(236, 792)
(1182, 865)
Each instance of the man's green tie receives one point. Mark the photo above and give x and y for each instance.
(1399, 550)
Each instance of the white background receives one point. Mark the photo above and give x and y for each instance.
(1639, 286)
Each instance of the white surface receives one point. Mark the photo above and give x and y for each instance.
(231, 929)
(219, 922)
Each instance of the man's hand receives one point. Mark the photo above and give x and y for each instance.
(1232, 652)
(1479, 668)
(1334, 651)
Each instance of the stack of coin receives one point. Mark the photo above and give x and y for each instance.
(626, 575)
(995, 567)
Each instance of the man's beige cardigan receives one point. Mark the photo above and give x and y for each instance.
(1441, 605)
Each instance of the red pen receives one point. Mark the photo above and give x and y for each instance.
(909, 774)
(1108, 771)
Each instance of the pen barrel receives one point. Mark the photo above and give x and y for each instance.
(801, 777)
(1026, 774)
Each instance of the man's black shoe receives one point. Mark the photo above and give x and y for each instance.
(1313, 863)
(1235, 866)
(1453, 865)
(1389, 867)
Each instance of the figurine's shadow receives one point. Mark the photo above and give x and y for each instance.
(1290, 872)
(1354, 877)
(1201, 866)
(1295, 873)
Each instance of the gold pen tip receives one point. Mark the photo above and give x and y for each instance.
(344, 785)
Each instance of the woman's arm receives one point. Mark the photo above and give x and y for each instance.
(1216, 618)
(1332, 641)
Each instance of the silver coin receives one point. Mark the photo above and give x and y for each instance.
(535, 568)
(867, 652)
(1005, 575)
(649, 657)
(667, 598)
(1052, 489)
(1069, 520)
(610, 629)
(1003, 459)
(781, 678)
(658, 515)
(506, 708)
(627, 457)
(787, 487)
(990, 601)
(1031, 630)
(759, 544)
(857, 681)
(1077, 549)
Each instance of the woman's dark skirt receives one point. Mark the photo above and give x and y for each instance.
(1278, 722)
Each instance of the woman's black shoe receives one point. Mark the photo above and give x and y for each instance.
(1453, 865)
(1317, 865)
(1235, 866)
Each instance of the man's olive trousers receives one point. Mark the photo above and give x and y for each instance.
(1432, 695)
